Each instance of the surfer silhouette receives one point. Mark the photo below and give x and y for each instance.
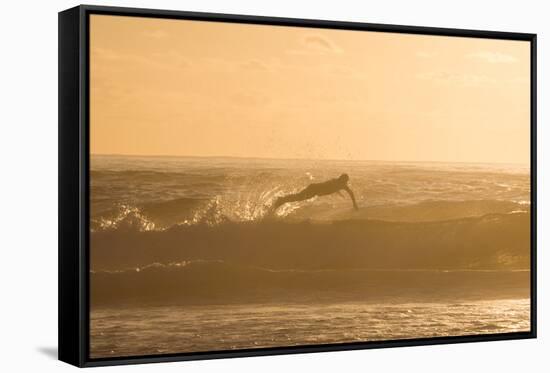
(318, 189)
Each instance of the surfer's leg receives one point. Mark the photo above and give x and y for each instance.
(305, 194)
(285, 199)
(294, 197)
(300, 196)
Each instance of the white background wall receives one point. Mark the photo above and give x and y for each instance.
(28, 182)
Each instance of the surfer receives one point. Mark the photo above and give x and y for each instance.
(318, 189)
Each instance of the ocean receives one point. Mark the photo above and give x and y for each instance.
(185, 256)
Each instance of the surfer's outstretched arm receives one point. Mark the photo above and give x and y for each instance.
(352, 196)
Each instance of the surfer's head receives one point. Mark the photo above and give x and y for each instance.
(344, 178)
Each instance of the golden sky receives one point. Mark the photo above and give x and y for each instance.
(175, 87)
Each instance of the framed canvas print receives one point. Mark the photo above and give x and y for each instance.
(238, 186)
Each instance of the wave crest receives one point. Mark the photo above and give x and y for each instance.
(127, 218)
(254, 207)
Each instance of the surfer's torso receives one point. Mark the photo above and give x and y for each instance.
(326, 187)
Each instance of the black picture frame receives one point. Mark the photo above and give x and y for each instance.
(74, 185)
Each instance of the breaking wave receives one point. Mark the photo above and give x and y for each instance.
(492, 241)
(164, 215)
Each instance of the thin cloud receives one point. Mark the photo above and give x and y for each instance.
(254, 65)
(465, 79)
(155, 34)
(163, 60)
(492, 57)
(320, 43)
(316, 44)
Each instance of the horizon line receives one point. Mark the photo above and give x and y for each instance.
(528, 164)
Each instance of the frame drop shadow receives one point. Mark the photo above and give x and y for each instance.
(49, 351)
